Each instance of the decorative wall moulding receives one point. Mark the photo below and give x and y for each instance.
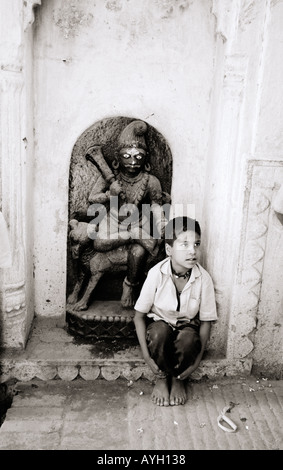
(262, 179)
(260, 186)
(27, 370)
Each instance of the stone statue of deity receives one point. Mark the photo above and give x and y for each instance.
(128, 231)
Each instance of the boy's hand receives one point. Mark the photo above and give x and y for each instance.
(189, 370)
(154, 367)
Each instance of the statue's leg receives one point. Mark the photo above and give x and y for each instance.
(99, 264)
(82, 304)
(73, 297)
(136, 262)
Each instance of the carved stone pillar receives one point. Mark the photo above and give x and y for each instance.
(13, 283)
(224, 166)
(15, 17)
(229, 224)
(233, 108)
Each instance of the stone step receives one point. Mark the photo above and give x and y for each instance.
(52, 352)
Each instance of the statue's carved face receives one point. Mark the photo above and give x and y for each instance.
(132, 159)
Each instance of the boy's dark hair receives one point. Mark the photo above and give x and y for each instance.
(180, 224)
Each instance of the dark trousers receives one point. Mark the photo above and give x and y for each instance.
(173, 350)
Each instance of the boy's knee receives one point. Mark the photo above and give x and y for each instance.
(189, 339)
(158, 331)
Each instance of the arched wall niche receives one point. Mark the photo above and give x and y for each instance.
(83, 175)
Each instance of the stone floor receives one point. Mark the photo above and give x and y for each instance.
(69, 394)
(119, 415)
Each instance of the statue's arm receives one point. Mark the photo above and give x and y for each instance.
(99, 193)
(155, 192)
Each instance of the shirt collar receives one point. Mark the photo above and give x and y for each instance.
(165, 268)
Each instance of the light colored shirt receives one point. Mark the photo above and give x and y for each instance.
(158, 297)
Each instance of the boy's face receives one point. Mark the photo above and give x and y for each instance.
(185, 251)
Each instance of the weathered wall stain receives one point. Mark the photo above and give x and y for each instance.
(114, 5)
(70, 18)
(170, 7)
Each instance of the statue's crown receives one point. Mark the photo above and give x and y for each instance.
(133, 135)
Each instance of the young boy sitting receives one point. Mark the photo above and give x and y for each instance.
(174, 312)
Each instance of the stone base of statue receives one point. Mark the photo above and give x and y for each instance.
(103, 319)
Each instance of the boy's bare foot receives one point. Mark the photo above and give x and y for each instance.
(160, 394)
(178, 394)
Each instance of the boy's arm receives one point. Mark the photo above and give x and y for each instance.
(140, 325)
(204, 333)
